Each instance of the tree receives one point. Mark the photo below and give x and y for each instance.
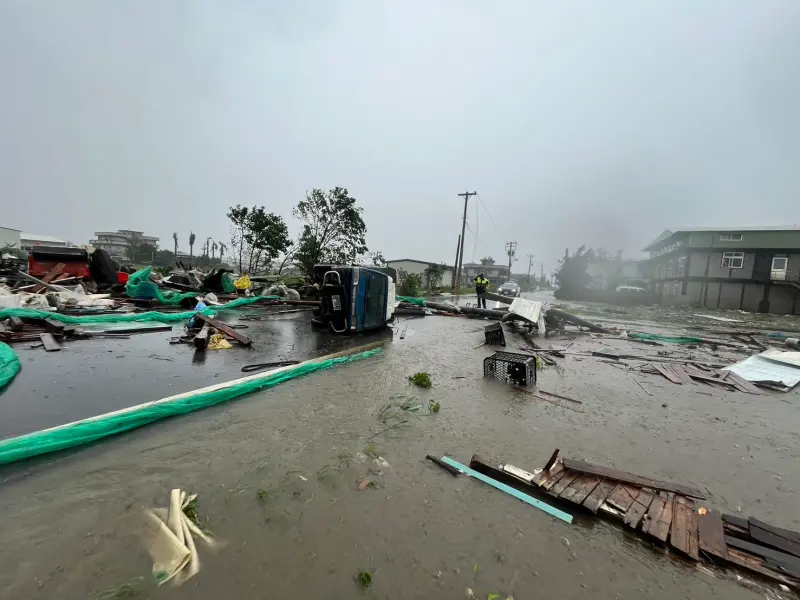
(487, 260)
(139, 251)
(222, 248)
(175, 238)
(213, 250)
(257, 236)
(571, 278)
(408, 284)
(192, 238)
(433, 276)
(163, 258)
(333, 229)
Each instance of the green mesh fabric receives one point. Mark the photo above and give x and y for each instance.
(96, 428)
(9, 365)
(410, 300)
(159, 317)
(140, 287)
(655, 337)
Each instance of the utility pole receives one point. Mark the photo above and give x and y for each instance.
(455, 264)
(541, 277)
(511, 250)
(530, 264)
(461, 243)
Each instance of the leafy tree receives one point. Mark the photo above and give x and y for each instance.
(333, 229)
(571, 278)
(487, 260)
(139, 251)
(258, 237)
(408, 284)
(163, 258)
(433, 276)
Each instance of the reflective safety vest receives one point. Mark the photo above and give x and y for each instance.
(481, 282)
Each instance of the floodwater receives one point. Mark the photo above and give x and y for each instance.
(69, 522)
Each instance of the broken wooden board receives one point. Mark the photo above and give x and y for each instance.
(653, 515)
(684, 527)
(785, 533)
(50, 342)
(15, 324)
(552, 461)
(666, 371)
(710, 534)
(596, 498)
(622, 497)
(611, 473)
(502, 472)
(682, 375)
(49, 276)
(773, 558)
(203, 337)
(638, 509)
(741, 384)
(242, 339)
(556, 473)
(562, 483)
(659, 525)
(769, 538)
(756, 565)
(580, 488)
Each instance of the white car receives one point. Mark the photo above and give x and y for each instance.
(630, 289)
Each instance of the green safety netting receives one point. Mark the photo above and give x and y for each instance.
(9, 364)
(655, 337)
(410, 300)
(26, 313)
(140, 287)
(96, 428)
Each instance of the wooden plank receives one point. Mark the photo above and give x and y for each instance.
(556, 473)
(504, 473)
(596, 498)
(660, 530)
(53, 326)
(682, 375)
(561, 484)
(684, 527)
(16, 324)
(580, 488)
(552, 461)
(50, 342)
(710, 535)
(780, 560)
(742, 384)
(737, 521)
(203, 337)
(774, 541)
(756, 565)
(654, 514)
(667, 372)
(622, 497)
(638, 509)
(242, 339)
(785, 533)
(611, 473)
(49, 276)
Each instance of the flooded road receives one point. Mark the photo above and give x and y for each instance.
(69, 527)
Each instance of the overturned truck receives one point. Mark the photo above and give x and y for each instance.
(354, 299)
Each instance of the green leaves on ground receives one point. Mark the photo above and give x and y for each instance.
(421, 379)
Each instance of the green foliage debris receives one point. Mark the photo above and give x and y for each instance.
(190, 510)
(364, 579)
(434, 406)
(421, 379)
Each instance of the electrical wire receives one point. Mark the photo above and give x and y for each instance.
(489, 215)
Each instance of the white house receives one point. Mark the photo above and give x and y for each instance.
(9, 238)
(418, 267)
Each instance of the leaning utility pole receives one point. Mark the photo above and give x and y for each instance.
(541, 277)
(457, 286)
(511, 250)
(530, 264)
(455, 264)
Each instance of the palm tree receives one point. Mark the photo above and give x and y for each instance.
(208, 245)
(175, 237)
(222, 248)
(213, 250)
(191, 244)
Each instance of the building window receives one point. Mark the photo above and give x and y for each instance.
(681, 262)
(730, 237)
(779, 263)
(676, 288)
(733, 260)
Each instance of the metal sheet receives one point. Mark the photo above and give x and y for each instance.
(527, 309)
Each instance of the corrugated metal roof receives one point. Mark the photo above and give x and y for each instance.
(40, 238)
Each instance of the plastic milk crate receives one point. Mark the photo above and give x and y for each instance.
(519, 369)
(494, 335)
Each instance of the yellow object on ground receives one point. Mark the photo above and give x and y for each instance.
(243, 283)
(168, 537)
(218, 342)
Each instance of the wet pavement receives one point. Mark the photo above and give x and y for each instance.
(69, 521)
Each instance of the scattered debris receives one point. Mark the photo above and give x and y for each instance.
(421, 379)
(364, 579)
(773, 369)
(434, 406)
(509, 367)
(450, 469)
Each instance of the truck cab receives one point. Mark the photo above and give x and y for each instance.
(353, 298)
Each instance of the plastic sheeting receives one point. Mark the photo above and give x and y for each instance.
(152, 316)
(140, 287)
(9, 365)
(411, 300)
(96, 428)
(655, 337)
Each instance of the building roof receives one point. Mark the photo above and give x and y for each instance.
(480, 265)
(668, 233)
(9, 228)
(421, 262)
(40, 238)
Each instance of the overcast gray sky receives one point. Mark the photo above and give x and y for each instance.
(576, 121)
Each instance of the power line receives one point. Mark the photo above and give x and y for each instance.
(489, 215)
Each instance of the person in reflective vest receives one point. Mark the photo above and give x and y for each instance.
(481, 283)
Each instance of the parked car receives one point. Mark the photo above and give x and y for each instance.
(630, 289)
(510, 288)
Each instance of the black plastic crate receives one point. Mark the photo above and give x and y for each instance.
(519, 369)
(494, 335)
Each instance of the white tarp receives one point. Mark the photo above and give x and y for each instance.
(527, 309)
(770, 366)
